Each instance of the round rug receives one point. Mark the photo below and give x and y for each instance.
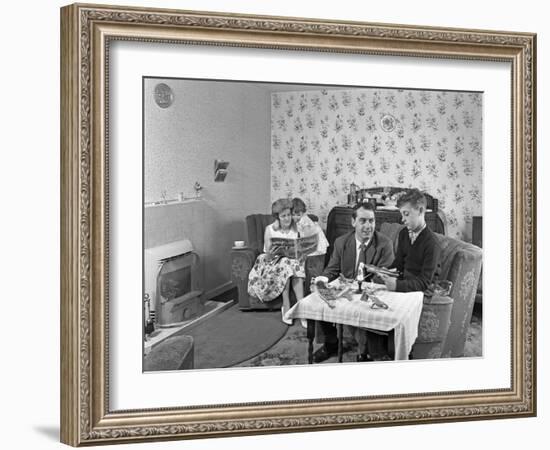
(234, 336)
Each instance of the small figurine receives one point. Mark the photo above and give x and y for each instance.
(360, 277)
(352, 194)
(369, 294)
(198, 188)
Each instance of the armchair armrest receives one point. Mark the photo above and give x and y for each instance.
(314, 267)
(242, 261)
(437, 300)
(433, 326)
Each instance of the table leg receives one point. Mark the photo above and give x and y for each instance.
(340, 331)
(310, 339)
(391, 344)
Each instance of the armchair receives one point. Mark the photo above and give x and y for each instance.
(444, 320)
(242, 261)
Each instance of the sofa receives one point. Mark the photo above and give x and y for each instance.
(242, 261)
(444, 321)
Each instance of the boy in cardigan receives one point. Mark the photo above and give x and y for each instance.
(418, 250)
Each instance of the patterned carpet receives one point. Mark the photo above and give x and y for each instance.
(292, 348)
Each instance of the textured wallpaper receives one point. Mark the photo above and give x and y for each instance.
(321, 141)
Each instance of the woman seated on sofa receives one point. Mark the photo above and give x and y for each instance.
(272, 273)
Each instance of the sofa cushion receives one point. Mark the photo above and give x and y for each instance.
(255, 230)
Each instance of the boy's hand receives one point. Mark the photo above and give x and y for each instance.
(377, 279)
(390, 282)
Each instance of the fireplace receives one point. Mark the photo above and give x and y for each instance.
(172, 284)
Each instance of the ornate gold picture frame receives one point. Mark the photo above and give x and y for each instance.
(87, 32)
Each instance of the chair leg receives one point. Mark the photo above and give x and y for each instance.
(340, 331)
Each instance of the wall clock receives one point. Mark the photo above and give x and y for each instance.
(164, 97)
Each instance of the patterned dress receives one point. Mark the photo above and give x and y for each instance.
(267, 279)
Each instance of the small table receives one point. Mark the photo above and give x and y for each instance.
(402, 316)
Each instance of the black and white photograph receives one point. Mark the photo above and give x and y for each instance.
(294, 224)
(284, 223)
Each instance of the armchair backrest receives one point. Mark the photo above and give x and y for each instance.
(460, 263)
(255, 229)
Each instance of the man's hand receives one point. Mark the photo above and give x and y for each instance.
(390, 282)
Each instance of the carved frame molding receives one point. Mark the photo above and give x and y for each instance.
(86, 32)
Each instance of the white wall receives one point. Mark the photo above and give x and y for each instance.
(207, 121)
(29, 184)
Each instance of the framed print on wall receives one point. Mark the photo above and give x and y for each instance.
(178, 125)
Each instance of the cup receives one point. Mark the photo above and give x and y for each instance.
(239, 244)
(442, 287)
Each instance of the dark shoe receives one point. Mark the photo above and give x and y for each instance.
(324, 353)
(363, 357)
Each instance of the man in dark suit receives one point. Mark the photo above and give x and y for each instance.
(363, 244)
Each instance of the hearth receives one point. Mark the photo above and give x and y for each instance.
(173, 284)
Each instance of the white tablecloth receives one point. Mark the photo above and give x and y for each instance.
(402, 316)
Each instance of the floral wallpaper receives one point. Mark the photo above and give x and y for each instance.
(322, 141)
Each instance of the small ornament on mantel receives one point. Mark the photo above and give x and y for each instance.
(198, 188)
(352, 196)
